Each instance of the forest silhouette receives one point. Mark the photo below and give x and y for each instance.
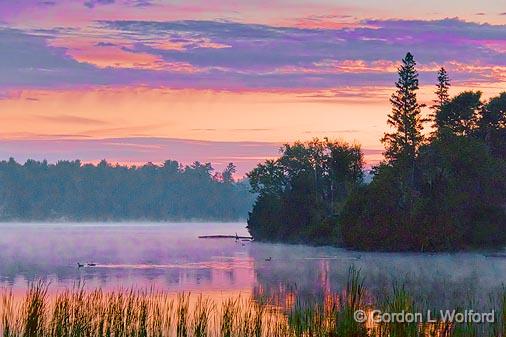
(443, 190)
(441, 185)
(74, 191)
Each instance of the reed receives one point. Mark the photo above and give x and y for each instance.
(130, 313)
(202, 317)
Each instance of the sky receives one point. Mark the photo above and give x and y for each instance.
(133, 81)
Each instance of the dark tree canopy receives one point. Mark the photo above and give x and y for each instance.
(443, 193)
(460, 114)
(459, 204)
(71, 190)
(494, 113)
(300, 194)
(492, 125)
(458, 196)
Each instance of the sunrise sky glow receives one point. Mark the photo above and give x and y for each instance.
(138, 80)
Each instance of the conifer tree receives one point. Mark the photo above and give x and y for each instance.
(403, 143)
(442, 98)
(442, 87)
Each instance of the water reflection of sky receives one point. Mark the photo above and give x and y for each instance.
(171, 257)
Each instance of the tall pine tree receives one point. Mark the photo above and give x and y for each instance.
(402, 145)
(442, 87)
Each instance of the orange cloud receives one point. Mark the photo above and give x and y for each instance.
(352, 114)
(189, 114)
(111, 53)
(345, 66)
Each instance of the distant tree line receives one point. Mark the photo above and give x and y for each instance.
(438, 190)
(71, 190)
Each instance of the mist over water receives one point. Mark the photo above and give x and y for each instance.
(164, 255)
(169, 256)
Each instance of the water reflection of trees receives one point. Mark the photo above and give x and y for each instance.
(305, 274)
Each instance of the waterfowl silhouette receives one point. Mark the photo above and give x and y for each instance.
(268, 259)
(80, 265)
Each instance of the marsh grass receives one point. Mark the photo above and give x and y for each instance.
(149, 313)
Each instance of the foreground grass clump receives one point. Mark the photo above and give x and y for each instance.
(80, 313)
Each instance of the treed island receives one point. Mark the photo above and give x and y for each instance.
(441, 186)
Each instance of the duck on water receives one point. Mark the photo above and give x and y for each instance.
(82, 265)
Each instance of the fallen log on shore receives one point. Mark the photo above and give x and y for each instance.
(225, 237)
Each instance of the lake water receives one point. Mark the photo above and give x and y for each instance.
(170, 257)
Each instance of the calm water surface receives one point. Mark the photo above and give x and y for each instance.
(170, 257)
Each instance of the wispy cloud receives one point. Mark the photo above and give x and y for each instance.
(127, 150)
(93, 3)
(143, 149)
(233, 56)
(69, 119)
(47, 3)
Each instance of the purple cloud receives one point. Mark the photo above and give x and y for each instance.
(27, 60)
(140, 3)
(259, 47)
(105, 44)
(93, 3)
(227, 55)
(47, 3)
